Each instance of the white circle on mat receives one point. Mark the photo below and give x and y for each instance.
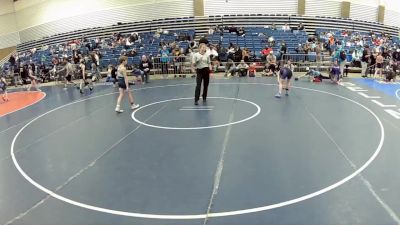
(196, 128)
(209, 215)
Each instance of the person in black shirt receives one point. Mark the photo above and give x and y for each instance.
(283, 50)
(364, 61)
(300, 26)
(145, 66)
(203, 40)
(12, 62)
(396, 60)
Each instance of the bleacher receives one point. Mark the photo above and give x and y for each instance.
(255, 43)
(111, 55)
(202, 24)
(254, 24)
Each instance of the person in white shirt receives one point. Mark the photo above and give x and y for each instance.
(201, 61)
(242, 68)
(286, 27)
(210, 31)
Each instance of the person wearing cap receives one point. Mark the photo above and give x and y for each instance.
(271, 63)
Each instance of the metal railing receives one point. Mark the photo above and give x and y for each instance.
(301, 62)
(175, 65)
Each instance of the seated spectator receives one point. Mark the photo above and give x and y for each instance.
(222, 53)
(204, 40)
(211, 31)
(145, 66)
(231, 52)
(299, 49)
(213, 53)
(252, 70)
(271, 41)
(241, 32)
(230, 68)
(286, 27)
(242, 69)
(265, 52)
(390, 75)
(273, 26)
(300, 26)
(132, 53)
(233, 29)
(271, 64)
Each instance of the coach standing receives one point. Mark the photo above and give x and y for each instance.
(201, 61)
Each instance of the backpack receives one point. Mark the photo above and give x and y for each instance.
(343, 55)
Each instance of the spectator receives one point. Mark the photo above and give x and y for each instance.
(379, 65)
(252, 70)
(164, 61)
(211, 31)
(231, 52)
(145, 66)
(283, 50)
(273, 26)
(265, 52)
(12, 63)
(318, 51)
(357, 55)
(241, 32)
(286, 27)
(245, 55)
(242, 68)
(204, 40)
(230, 68)
(271, 41)
(271, 63)
(306, 49)
(132, 53)
(300, 26)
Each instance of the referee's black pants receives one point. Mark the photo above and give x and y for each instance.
(202, 74)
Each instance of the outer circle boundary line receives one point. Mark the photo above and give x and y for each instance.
(199, 216)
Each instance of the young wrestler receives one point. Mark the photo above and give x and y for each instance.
(123, 85)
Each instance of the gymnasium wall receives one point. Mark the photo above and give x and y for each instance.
(27, 20)
(35, 19)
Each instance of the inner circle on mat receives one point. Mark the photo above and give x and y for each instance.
(209, 215)
(209, 111)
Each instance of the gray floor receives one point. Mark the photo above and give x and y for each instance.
(298, 150)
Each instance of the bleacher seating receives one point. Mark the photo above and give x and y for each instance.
(201, 25)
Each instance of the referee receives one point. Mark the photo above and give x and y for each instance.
(201, 61)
